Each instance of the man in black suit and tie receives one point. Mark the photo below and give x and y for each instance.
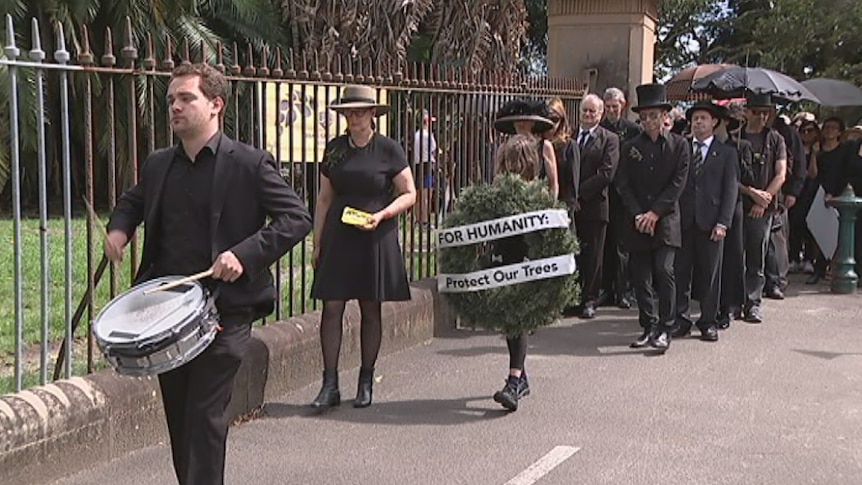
(600, 151)
(204, 204)
(651, 177)
(706, 212)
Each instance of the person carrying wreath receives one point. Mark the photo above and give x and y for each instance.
(363, 170)
(519, 155)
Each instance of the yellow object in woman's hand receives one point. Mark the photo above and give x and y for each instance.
(355, 217)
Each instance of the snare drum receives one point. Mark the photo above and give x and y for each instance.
(150, 334)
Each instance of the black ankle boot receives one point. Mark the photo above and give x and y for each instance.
(363, 390)
(329, 394)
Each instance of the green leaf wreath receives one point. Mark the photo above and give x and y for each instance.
(517, 308)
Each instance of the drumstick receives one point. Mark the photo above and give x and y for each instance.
(96, 218)
(181, 281)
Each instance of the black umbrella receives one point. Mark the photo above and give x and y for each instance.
(733, 82)
(834, 92)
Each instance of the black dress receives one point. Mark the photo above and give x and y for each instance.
(358, 264)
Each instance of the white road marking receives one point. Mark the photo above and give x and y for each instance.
(544, 466)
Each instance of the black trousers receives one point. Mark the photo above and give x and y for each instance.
(655, 287)
(616, 277)
(196, 397)
(591, 235)
(733, 264)
(698, 262)
(777, 261)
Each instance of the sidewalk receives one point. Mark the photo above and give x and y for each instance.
(775, 403)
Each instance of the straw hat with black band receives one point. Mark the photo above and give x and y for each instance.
(359, 97)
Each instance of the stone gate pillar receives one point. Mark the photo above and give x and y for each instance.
(611, 42)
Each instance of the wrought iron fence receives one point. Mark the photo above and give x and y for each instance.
(83, 123)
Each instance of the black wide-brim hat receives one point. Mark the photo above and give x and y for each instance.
(651, 96)
(759, 100)
(523, 110)
(717, 112)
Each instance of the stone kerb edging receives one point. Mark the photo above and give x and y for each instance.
(56, 430)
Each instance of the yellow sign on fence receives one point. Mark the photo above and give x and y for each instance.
(299, 121)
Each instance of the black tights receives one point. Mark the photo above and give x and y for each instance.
(370, 332)
(517, 351)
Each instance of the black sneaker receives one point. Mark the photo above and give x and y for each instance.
(524, 390)
(753, 315)
(642, 341)
(515, 388)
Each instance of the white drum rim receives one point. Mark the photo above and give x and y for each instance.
(103, 341)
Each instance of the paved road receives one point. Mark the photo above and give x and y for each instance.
(776, 403)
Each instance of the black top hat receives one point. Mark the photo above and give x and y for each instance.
(523, 110)
(715, 110)
(758, 100)
(651, 96)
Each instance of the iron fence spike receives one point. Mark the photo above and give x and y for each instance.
(61, 55)
(12, 51)
(36, 52)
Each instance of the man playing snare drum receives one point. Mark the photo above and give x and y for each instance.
(204, 204)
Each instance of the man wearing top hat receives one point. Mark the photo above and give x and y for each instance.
(706, 212)
(768, 169)
(651, 177)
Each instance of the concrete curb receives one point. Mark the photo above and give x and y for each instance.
(56, 430)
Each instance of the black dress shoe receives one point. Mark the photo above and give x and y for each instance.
(709, 334)
(588, 312)
(660, 341)
(642, 341)
(723, 322)
(681, 331)
(774, 294)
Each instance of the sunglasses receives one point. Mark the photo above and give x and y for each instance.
(650, 116)
(807, 130)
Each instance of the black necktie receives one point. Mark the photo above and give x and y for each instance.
(698, 157)
(585, 135)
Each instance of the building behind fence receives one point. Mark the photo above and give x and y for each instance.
(79, 123)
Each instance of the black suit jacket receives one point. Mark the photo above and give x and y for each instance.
(247, 188)
(653, 186)
(709, 197)
(599, 160)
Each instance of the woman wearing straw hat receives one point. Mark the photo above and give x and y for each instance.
(362, 261)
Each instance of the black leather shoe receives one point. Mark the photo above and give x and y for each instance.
(681, 331)
(588, 312)
(364, 389)
(709, 334)
(329, 394)
(774, 294)
(753, 315)
(660, 341)
(723, 322)
(642, 341)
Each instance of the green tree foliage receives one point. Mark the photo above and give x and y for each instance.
(803, 38)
